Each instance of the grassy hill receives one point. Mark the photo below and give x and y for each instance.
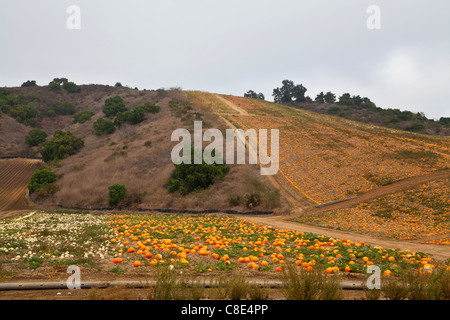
(136, 155)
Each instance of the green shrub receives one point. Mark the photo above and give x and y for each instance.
(113, 106)
(83, 116)
(25, 113)
(41, 178)
(54, 87)
(35, 137)
(133, 117)
(103, 127)
(445, 121)
(188, 178)
(71, 87)
(149, 107)
(63, 144)
(29, 83)
(64, 108)
(117, 193)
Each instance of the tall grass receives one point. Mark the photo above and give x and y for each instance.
(299, 284)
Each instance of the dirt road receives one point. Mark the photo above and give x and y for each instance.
(15, 176)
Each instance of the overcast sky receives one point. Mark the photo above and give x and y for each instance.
(232, 46)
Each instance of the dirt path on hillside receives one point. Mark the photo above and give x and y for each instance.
(232, 105)
(15, 176)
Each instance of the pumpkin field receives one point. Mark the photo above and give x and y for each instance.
(323, 160)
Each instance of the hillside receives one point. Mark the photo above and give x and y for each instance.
(352, 176)
(323, 159)
(138, 156)
(389, 118)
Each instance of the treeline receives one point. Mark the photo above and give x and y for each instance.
(355, 107)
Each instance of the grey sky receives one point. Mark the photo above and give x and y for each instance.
(233, 46)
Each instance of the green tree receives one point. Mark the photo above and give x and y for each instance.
(41, 178)
(329, 97)
(62, 145)
(103, 127)
(113, 106)
(116, 193)
(35, 137)
(252, 94)
(320, 98)
(29, 83)
(289, 92)
(346, 100)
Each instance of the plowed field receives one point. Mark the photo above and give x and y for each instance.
(15, 175)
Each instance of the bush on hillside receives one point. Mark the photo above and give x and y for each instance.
(71, 87)
(103, 127)
(133, 117)
(188, 178)
(63, 144)
(25, 113)
(113, 106)
(41, 178)
(117, 193)
(83, 116)
(54, 87)
(149, 107)
(64, 108)
(35, 137)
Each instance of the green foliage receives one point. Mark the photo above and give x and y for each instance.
(445, 121)
(252, 94)
(113, 106)
(35, 137)
(289, 92)
(117, 193)
(63, 144)
(64, 108)
(25, 113)
(29, 83)
(71, 87)
(136, 115)
(41, 178)
(54, 87)
(330, 97)
(149, 107)
(103, 127)
(416, 127)
(133, 117)
(192, 177)
(347, 100)
(83, 116)
(320, 98)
